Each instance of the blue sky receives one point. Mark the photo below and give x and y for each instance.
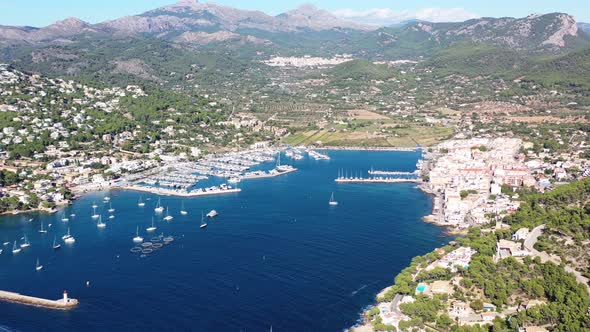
(44, 12)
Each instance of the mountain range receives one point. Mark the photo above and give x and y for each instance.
(225, 40)
(190, 21)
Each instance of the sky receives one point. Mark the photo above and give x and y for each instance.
(378, 12)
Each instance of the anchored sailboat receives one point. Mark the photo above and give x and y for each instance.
(159, 208)
(203, 223)
(55, 244)
(38, 267)
(140, 203)
(15, 249)
(168, 217)
(68, 238)
(94, 214)
(137, 238)
(152, 228)
(182, 210)
(332, 201)
(42, 230)
(111, 210)
(26, 244)
(100, 224)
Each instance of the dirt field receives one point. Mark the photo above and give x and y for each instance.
(366, 115)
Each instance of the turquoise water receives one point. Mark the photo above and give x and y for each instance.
(278, 255)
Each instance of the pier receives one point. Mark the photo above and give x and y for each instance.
(378, 172)
(376, 180)
(64, 303)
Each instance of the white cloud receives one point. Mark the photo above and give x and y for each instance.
(387, 16)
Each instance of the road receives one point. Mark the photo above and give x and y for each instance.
(529, 244)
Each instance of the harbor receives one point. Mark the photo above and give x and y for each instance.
(65, 303)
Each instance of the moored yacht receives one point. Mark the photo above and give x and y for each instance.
(212, 214)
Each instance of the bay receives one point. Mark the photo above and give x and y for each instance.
(277, 255)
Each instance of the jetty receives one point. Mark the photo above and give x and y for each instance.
(376, 180)
(380, 172)
(65, 303)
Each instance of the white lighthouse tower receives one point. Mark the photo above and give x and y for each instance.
(65, 296)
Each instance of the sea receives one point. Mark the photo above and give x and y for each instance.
(277, 257)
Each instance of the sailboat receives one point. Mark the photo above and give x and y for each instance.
(159, 208)
(111, 217)
(203, 223)
(42, 230)
(332, 201)
(182, 210)
(15, 249)
(106, 199)
(94, 206)
(168, 217)
(94, 215)
(140, 203)
(55, 244)
(68, 238)
(38, 267)
(26, 244)
(100, 224)
(152, 228)
(111, 210)
(64, 218)
(137, 238)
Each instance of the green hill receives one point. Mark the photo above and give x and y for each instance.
(361, 70)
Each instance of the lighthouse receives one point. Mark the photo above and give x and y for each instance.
(65, 296)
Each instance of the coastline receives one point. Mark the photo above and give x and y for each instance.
(433, 218)
(375, 148)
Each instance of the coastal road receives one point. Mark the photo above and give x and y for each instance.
(529, 244)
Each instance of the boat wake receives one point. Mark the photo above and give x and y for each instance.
(358, 290)
(7, 329)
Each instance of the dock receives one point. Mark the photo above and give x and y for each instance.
(376, 180)
(64, 303)
(263, 175)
